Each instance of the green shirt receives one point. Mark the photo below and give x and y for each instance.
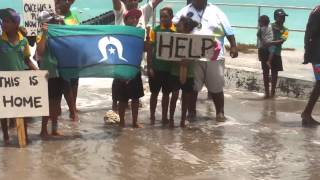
(12, 56)
(159, 64)
(71, 18)
(279, 33)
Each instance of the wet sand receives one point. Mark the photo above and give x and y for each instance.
(262, 139)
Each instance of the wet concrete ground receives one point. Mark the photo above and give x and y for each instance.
(262, 139)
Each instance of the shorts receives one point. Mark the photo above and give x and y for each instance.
(176, 84)
(316, 70)
(160, 80)
(276, 64)
(210, 74)
(125, 90)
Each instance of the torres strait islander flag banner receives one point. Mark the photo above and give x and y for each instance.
(97, 51)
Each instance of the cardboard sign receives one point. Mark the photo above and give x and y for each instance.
(31, 9)
(176, 46)
(23, 94)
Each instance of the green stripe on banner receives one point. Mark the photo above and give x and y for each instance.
(65, 30)
(101, 71)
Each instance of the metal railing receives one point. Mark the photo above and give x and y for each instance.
(259, 7)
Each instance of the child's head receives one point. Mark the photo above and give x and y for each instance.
(166, 15)
(264, 20)
(131, 4)
(131, 17)
(10, 20)
(280, 16)
(186, 25)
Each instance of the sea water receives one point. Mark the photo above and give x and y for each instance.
(238, 16)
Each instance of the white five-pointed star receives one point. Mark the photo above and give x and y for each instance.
(111, 50)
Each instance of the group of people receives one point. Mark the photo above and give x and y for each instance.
(198, 17)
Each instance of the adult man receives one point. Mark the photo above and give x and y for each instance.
(212, 21)
(312, 55)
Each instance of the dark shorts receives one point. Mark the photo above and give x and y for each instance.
(160, 80)
(55, 90)
(276, 64)
(176, 85)
(123, 90)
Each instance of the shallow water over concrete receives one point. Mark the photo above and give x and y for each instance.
(262, 139)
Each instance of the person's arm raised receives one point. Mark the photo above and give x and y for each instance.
(116, 5)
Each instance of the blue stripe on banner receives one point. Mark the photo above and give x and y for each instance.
(82, 51)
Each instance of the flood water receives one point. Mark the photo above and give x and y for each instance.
(262, 139)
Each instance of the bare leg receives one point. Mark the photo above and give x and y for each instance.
(218, 100)
(173, 103)
(4, 126)
(115, 105)
(135, 111)
(274, 80)
(185, 104)
(153, 106)
(122, 111)
(44, 130)
(165, 105)
(68, 95)
(266, 84)
(192, 110)
(55, 131)
(306, 116)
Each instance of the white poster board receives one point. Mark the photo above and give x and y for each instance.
(23, 94)
(31, 9)
(176, 46)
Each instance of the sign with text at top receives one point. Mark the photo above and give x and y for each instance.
(177, 46)
(23, 94)
(31, 9)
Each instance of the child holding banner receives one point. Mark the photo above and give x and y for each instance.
(132, 89)
(159, 70)
(14, 52)
(182, 76)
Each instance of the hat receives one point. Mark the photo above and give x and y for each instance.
(10, 13)
(45, 16)
(280, 12)
(133, 12)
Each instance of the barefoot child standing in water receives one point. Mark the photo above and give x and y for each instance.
(265, 50)
(132, 89)
(14, 52)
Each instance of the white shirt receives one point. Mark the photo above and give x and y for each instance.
(213, 22)
(147, 12)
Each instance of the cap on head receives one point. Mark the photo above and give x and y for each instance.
(10, 13)
(45, 16)
(133, 12)
(279, 12)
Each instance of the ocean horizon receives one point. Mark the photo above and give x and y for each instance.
(238, 16)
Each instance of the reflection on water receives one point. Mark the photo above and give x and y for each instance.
(260, 140)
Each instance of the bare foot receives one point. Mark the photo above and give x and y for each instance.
(171, 123)
(74, 117)
(137, 125)
(307, 120)
(44, 134)
(122, 124)
(266, 96)
(7, 141)
(183, 124)
(152, 120)
(165, 121)
(57, 133)
(220, 117)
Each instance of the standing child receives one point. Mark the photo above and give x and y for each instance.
(14, 52)
(159, 70)
(185, 25)
(132, 89)
(280, 35)
(265, 50)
